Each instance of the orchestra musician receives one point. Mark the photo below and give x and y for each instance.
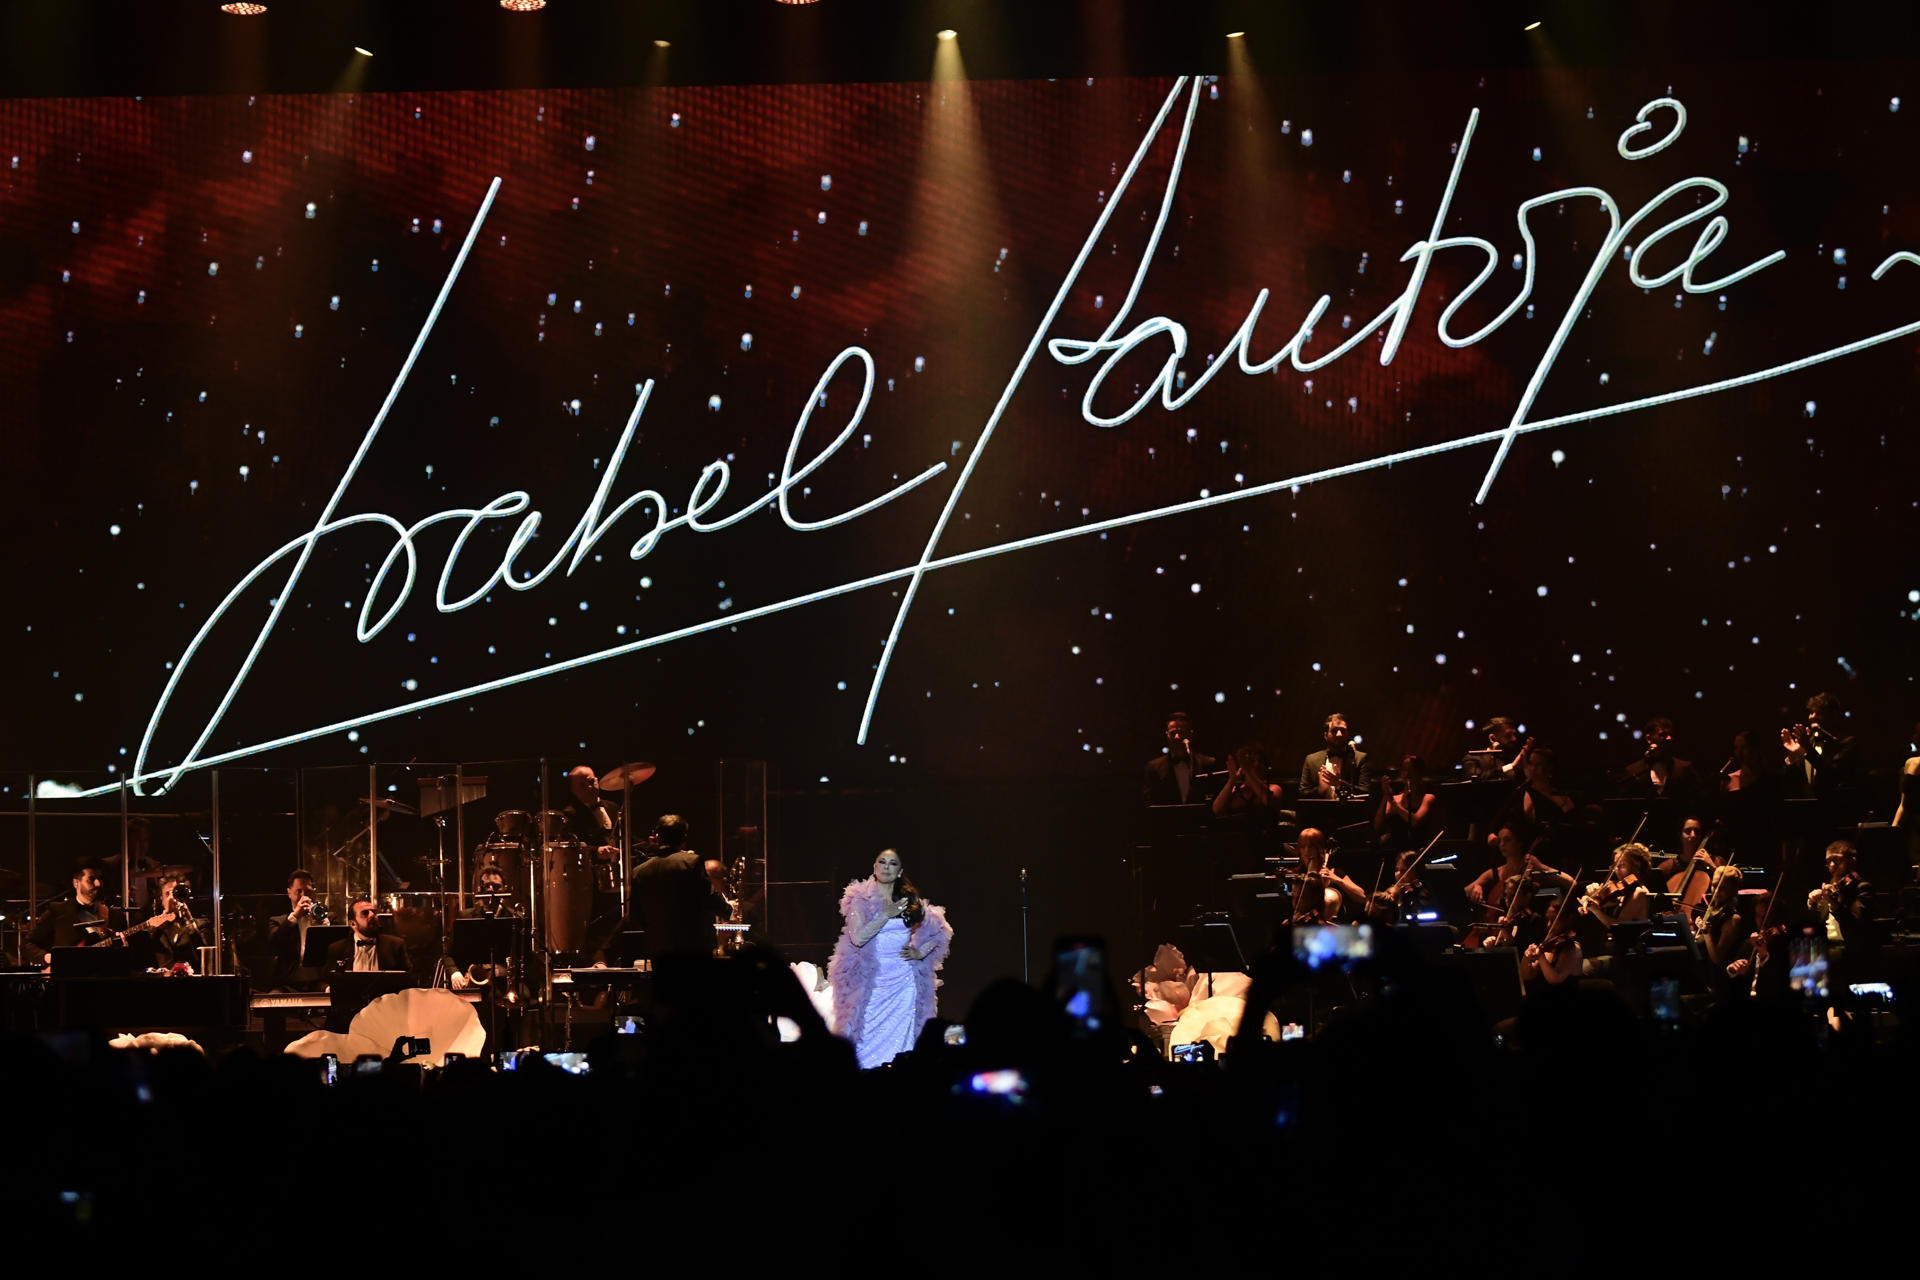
(1338, 770)
(1173, 778)
(1493, 892)
(1659, 773)
(287, 934)
(492, 898)
(1504, 754)
(1820, 757)
(1408, 814)
(1405, 897)
(588, 821)
(1623, 897)
(1723, 928)
(1760, 967)
(1905, 817)
(366, 950)
(1322, 895)
(82, 918)
(1844, 904)
(1248, 793)
(174, 936)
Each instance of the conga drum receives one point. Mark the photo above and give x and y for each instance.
(567, 884)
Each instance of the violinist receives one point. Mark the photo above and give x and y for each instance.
(1623, 897)
(1322, 894)
(1406, 897)
(1503, 756)
(1760, 967)
(1722, 928)
(1844, 904)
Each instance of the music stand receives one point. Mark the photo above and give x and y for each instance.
(487, 940)
(90, 962)
(1210, 947)
(319, 938)
(350, 992)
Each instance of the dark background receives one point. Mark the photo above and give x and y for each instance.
(1715, 560)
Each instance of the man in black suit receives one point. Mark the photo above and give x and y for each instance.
(1659, 773)
(1175, 778)
(1339, 769)
(676, 894)
(366, 951)
(287, 931)
(80, 919)
(1821, 756)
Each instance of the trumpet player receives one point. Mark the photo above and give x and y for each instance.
(287, 934)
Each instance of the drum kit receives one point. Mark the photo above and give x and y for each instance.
(528, 848)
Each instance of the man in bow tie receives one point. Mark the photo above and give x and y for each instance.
(365, 950)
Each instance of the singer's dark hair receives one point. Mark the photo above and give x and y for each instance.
(1182, 717)
(299, 873)
(905, 888)
(1501, 723)
(88, 863)
(1659, 724)
(672, 831)
(1332, 716)
(1826, 704)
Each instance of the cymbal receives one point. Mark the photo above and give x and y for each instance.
(393, 806)
(623, 776)
(167, 869)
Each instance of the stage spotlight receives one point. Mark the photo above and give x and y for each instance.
(244, 10)
(947, 33)
(798, 1)
(1530, 26)
(524, 6)
(1236, 35)
(365, 53)
(663, 44)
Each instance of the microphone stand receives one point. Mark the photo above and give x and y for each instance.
(1024, 974)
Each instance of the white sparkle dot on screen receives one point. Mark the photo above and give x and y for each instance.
(746, 342)
(1559, 456)
(590, 142)
(1811, 406)
(919, 364)
(1894, 105)
(645, 583)
(1409, 628)
(353, 735)
(1603, 379)
(213, 268)
(713, 404)
(1195, 588)
(1306, 137)
(244, 472)
(1913, 597)
(114, 529)
(1469, 724)
(246, 157)
(1403, 582)
(410, 685)
(553, 622)
(583, 606)
(1219, 696)
(1756, 639)
(312, 209)
(1316, 666)
(1540, 591)
(1076, 648)
(795, 293)
(79, 697)
(620, 630)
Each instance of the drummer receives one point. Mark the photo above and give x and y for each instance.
(588, 821)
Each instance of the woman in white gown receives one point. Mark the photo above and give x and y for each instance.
(885, 964)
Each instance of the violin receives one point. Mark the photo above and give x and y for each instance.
(1609, 896)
